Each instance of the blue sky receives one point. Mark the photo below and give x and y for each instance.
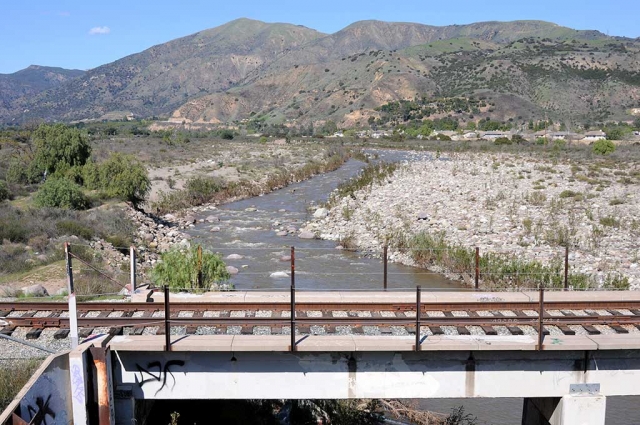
(88, 33)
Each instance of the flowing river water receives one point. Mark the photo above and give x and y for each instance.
(248, 229)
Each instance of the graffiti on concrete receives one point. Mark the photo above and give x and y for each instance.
(155, 371)
(77, 382)
(40, 411)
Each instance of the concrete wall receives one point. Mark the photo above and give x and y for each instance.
(48, 392)
(276, 375)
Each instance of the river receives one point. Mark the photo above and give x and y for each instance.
(248, 228)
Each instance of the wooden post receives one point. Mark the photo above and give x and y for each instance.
(566, 267)
(293, 299)
(132, 256)
(200, 266)
(386, 259)
(477, 280)
(73, 314)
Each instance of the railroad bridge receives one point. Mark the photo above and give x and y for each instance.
(563, 352)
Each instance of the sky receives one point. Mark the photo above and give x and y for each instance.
(88, 33)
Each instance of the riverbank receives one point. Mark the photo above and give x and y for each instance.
(520, 206)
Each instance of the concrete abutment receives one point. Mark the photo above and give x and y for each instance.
(572, 409)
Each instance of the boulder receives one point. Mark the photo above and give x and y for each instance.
(282, 233)
(190, 219)
(423, 216)
(215, 229)
(285, 258)
(321, 213)
(232, 270)
(279, 275)
(212, 219)
(305, 234)
(234, 257)
(36, 290)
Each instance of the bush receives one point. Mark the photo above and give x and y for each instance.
(226, 135)
(502, 141)
(4, 191)
(74, 228)
(200, 190)
(61, 193)
(122, 176)
(179, 269)
(14, 374)
(604, 147)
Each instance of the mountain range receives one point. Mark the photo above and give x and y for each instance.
(284, 73)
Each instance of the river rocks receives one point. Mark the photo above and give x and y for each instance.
(285, 258)
(36, 290)
(282, 233)
(189, 219)
(251, 209)
(215, 229)
(279, 275)
(321, 213)
(234, 257)
(232, 270)
(525, 207)
(212, 219)
(305, 234)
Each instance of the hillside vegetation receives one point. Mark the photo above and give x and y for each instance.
(293, 75)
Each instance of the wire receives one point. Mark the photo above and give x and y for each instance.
(96, 269)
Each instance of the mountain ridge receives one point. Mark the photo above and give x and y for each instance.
(264, 67)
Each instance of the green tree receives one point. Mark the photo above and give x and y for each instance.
(58, 147)
(604, 147)
(4, 191)
(124, 177)
(60, 193)
(179, 269)
(329, 128)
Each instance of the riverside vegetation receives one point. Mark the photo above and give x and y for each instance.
(89, 185)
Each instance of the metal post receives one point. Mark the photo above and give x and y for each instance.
(385, 267)
(199, 266)
(99, 355)
(418, 314)
(73, 314)
(541, 320)
(293, 299)
(477, 267)
(566, 267)
(132, 256)
(167, 316)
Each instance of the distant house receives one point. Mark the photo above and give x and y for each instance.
(562, 135)
(592, 136)
(493, 135)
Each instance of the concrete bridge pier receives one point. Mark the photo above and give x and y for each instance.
(573, 409)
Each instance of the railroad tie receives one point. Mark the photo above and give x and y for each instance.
(566, 330)
(591, 330)
(34, 333)
(619, 329)
(357, 329)
(84, 332)
(515, 330)
(462, 330)
(117, 330)
(61, 334)
(436, 330)
(488, 330)
(5, 313)
(193, 328)
(137, 330)
(385, 330)
(7, 330)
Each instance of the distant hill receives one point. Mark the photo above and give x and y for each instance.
(31, 81)
(281, 73)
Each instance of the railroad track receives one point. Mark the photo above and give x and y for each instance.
(379, 318)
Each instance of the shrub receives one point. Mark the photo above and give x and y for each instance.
(4, 191)
(179, 269)
(502, 141)
(61, 193)
(604, 147)
(74, 228)
(201, 190)
(14, 374)
(568, 194)
(226, 135)
(122, 176)
(91, 175)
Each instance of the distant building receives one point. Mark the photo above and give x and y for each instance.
(493, 135)
(592, 136)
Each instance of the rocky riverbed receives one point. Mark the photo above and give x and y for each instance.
(523, 206)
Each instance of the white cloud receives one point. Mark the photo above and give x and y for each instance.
(99, 30)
